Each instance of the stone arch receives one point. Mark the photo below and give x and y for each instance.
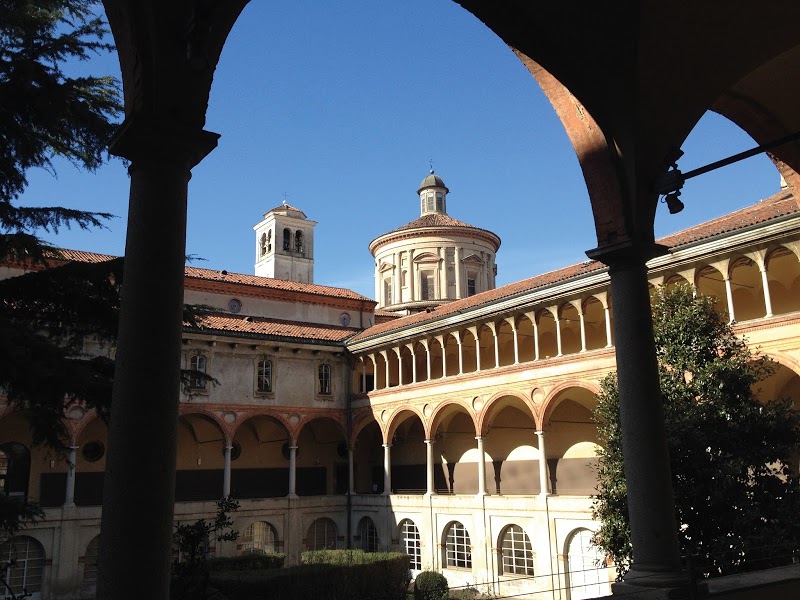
(453, 429)
(747, 289)
(322, 459)
(380, 371)
(525, 338)
(406, 434)
(437, 357)
(508, 426)
(594, 318)
(548, 336)
(259, 458)
(407, 361)
(709, 281)
(505, 343)
(393, 359)
(783, 274)
(421, 360)
(676, 279)
(468, 351)
(486, 343)
(367, 448)
(570, 326)
(200, 456)
(451, 353)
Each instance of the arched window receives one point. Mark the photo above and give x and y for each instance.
(25, 559)
(259, 538)
(269, 241)
(298, 241)
(263, 245)
(264, 376)
(324, 380)
(439, 202)
(458, 548)
(15, 468)
(321, 535)
(89, 584)
(287, 239)
(587, 574)
(429, 202)
(409, 538)
(198, 367)
(367, 535)
(516, 552)
(387, 291)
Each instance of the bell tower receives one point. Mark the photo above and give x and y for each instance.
(285, 245)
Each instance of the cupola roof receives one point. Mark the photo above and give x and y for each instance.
(432, 180)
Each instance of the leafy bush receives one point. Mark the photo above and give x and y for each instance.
(248, 562)
(430, 585)
(333, 575)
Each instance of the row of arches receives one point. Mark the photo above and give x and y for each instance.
(747, 285)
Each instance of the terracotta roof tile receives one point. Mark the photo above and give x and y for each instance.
(780, 204)
(434, 220)
(284, 207)
(260, 326)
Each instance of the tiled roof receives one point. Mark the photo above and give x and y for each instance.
(434, 220)
(81, 256)
(779, 205)
(285, 207)
(275, 284)
(258, 326)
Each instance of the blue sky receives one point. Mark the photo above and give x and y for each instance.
(342, 105)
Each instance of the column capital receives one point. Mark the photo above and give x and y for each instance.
(430, 441)
(387, 445)
(147, 137)
(627, 253)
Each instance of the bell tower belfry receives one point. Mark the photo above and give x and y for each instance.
(285, 245)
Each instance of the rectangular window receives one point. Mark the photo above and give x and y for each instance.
(387, 292)
(428, 289)
(264, 376)
(471, 286)
(197, 378)
(324, 380)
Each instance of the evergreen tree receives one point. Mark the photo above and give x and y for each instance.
(737, 501)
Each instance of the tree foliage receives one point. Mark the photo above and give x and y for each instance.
(46, 113)
(737, 501)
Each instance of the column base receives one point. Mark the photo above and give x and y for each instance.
(292, 496)
(655, 584)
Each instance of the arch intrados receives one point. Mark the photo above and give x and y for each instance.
(497, 403)
(89, 419)
(566, 307)
(309, 420)
(193, 418)
(362, 424)
(518, 320)
(557, 395)
(445, 411)
(546, 313)
(778, 252)
(589, 300)
(740, 261)
(250, 418)
(785, 360)
(399, 417)
(706, 271)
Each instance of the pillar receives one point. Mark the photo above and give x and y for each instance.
(442, 339)
(428, 359)
(513, 324)
(374, 372)
(399, 351)
(765, 284)
(139, 483)
(496, 347)
(413, 365)
(411, 276)
(608, 326)
(656, 558)
(481, 468)
(292, 472)
(387, 470)
(583, 329)
(558, 334)
(544, 482)
(396, 293)
(457, 258)
(351, 480)
(729, 297)
(477, 350)
(385, 354)
(226, 470)
(363, 376)
(69, 492)
(460, 354)
(429, 466)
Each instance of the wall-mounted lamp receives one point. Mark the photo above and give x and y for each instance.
(674, 203)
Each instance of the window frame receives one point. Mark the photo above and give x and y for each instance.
(270, 389)
(197, 383)
(287, 239)
(312, 537)
(411, 543)
(324, 371)
(367, 535)
(516, 552)
(266, 544)
(457, 547)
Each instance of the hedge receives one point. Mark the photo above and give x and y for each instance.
(347, 575)
(247, 562)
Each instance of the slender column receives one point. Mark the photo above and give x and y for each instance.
(400, 365)
(477, 350)
(516, 341)
(442, 273)
(374, 372)
(292, 472)
(351, 480)
(656, 558)
(441, 339)
(139, 482)
(411, 276)
(481, 468)
(496, 347)
(428, 359)
(457, 257)
(729, 296)
(226, 470)
(544, 483)
(429, 464)
(460, 354)
(378, 281)
(413, 366)
(385, 355)
(558, 334)
(583, 330)
(535, 338)
(765, 283)
(387, 470)
(363, 375)
(608, 326)
(69, 493)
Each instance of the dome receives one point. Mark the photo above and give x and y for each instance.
(432, 180)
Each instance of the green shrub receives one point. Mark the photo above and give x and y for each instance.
(430, 585)
(248, 562)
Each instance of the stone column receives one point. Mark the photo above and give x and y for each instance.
(729, 297)
(544, 482)
(496, 346)
(411, 276)
(363, 375)
(558, 334)
(69, 492)
(656, 558)
(583, 329)
(428, 359)
(765, 283)
(429, 464)
(387, 470)
(292, 472)
(399, 365)
(481, 468)
(608, 326)
(226, 470)
(351, 480)
(513, 324)
(442, 339)
(396, 293)
(374, 372)
(477, 350)
(385, 354)
(413, 365)
(457, 259)
(460, 354)
(139, 483)
(442, 252)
